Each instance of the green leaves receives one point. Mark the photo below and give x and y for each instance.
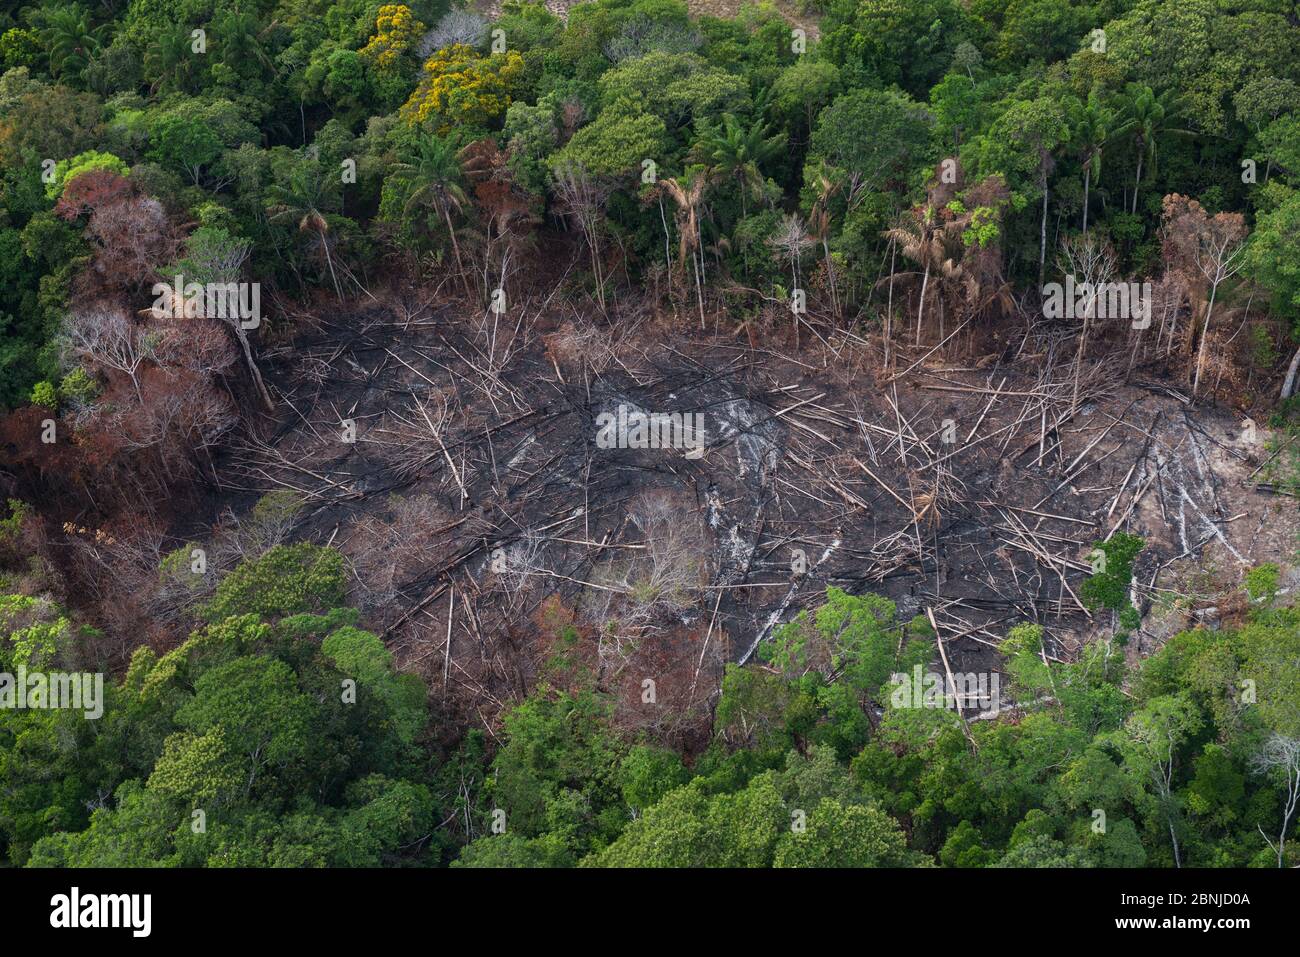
(1273, 255)
(876, 137)
(646, 774)
(854, 638)
(1108, 586)
(198, 769)
(838, 836)
(69, 39)
(558, 770)
(736, 152)
(70, 169)
(679, 88)
(1020, 143)
(287, 580)
(32, 632)
(809, 815)
(287, 734)
(362, 656)
(255, 704)
(615, 143)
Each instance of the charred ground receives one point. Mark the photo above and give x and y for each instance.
(450, 453)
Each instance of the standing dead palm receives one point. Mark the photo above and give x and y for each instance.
(819, 228)
(687, 193)
(791, 239)
(917, 235)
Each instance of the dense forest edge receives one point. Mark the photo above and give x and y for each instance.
(861, 188)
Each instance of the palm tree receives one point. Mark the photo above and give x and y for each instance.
(687, 192)
(436, 174)
(736, 152)
(819, 227)
(70, 40)
(918, 234)
(1039, 129)
(240, 37)
(170, 58)
(305, 198)
(1095, 126)
(1149, 116)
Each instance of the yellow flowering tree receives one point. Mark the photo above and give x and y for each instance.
(396, 33)
(462, 87)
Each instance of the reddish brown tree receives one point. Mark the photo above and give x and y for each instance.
(90, 191)
(1207, 251)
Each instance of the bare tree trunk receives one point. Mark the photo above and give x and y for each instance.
(1293, 794)
(794, 288)
(668, 253)
(1042, 243)
(1078, 363)
(455, 247)
(1205, 337)
(329, 260)
(1288, 385)
(253, 370)
(589, 229)
(699, 290)
(920, 309)
(1087, 182)
(830, 276)
(889, 307)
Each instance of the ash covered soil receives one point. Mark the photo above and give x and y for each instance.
(453, 457)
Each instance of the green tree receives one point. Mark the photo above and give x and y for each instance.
(1022, 144)
(287, 580)
(305, 197)
(1273, 258)
(1149, 117)
(737, 153)
(854, 638)
(69, 39)
(432, 178)
(1094, 127)
(1150, 743)
(839, 836)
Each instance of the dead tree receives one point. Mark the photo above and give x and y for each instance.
(1209, 249)
(583, 197)
(1092, 264)
(1281, 754)
(107, 337)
